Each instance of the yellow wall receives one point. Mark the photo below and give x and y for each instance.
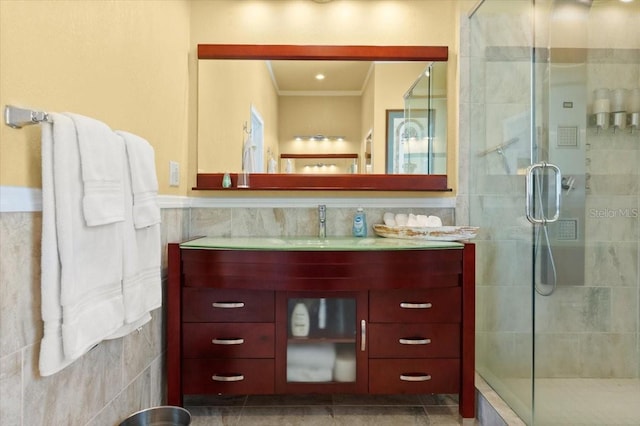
(227, 91)
(123, 62)
(132, 63)
(325, 115)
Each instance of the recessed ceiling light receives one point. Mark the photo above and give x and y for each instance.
(319, 76)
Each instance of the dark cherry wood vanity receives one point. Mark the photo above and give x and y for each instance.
(409, 330)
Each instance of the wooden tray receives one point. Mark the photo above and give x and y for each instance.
(440, 233)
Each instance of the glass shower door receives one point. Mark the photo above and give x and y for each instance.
(586, 346)
(557, 303)
(501, 83)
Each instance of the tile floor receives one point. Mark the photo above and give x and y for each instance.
(312, 410)
(583, 402)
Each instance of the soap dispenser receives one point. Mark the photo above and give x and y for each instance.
(360, 223)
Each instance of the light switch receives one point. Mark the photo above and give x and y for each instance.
(174, 173)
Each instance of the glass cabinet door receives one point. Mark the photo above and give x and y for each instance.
(321, 346)
(323, 338)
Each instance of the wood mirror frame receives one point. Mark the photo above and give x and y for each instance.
(348, 182)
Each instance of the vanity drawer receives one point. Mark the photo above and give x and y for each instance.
(414, 376)
(228, 340)
(228, 376)
(414, 340)
(423, 305)
(223, 305)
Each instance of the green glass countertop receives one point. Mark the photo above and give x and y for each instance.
(313, 243)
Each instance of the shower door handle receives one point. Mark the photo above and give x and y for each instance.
(529, 188)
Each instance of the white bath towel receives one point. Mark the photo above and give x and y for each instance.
(144, 182)
(309, 374)
(101, 154)
(142, 282)
(316, 355)
(81, 280)
(310, 362)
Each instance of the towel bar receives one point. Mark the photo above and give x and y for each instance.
(16, 117)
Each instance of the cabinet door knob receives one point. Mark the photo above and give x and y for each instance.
(415, 378)
(219, 378)
(227, 341)
(407, 305)
(228, 305)
(418, 341)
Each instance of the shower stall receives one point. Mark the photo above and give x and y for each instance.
(551, 151)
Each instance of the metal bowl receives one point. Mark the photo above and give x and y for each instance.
(159, 416)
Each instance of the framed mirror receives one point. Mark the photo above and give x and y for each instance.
(315, 134)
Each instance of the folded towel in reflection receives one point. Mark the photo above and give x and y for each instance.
(311, 354)
(309, 374)
(101, 166)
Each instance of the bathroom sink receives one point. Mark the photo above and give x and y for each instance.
(315, 243)
(329, 242)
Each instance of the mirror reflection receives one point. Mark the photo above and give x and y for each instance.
(416, 136)
(321, 117)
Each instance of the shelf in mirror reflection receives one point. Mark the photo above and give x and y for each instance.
(337, 182)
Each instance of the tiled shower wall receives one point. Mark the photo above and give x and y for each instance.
(592, 330)
(125, 375)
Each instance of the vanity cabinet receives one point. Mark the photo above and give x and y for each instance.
(396, 321)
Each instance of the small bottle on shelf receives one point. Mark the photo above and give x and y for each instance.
(300, 320)
(322, 314)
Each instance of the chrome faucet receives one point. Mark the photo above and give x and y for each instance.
(322, 221)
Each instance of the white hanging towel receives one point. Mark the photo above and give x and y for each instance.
(144, 182)
(142, 282)
(81, 282)
(102, 171)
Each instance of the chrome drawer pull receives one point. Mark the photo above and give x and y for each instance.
(218, 378)
(228, 305)
(227, 341)
(363, 335)
(410, 378)
(415, 341)
(415, 305)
